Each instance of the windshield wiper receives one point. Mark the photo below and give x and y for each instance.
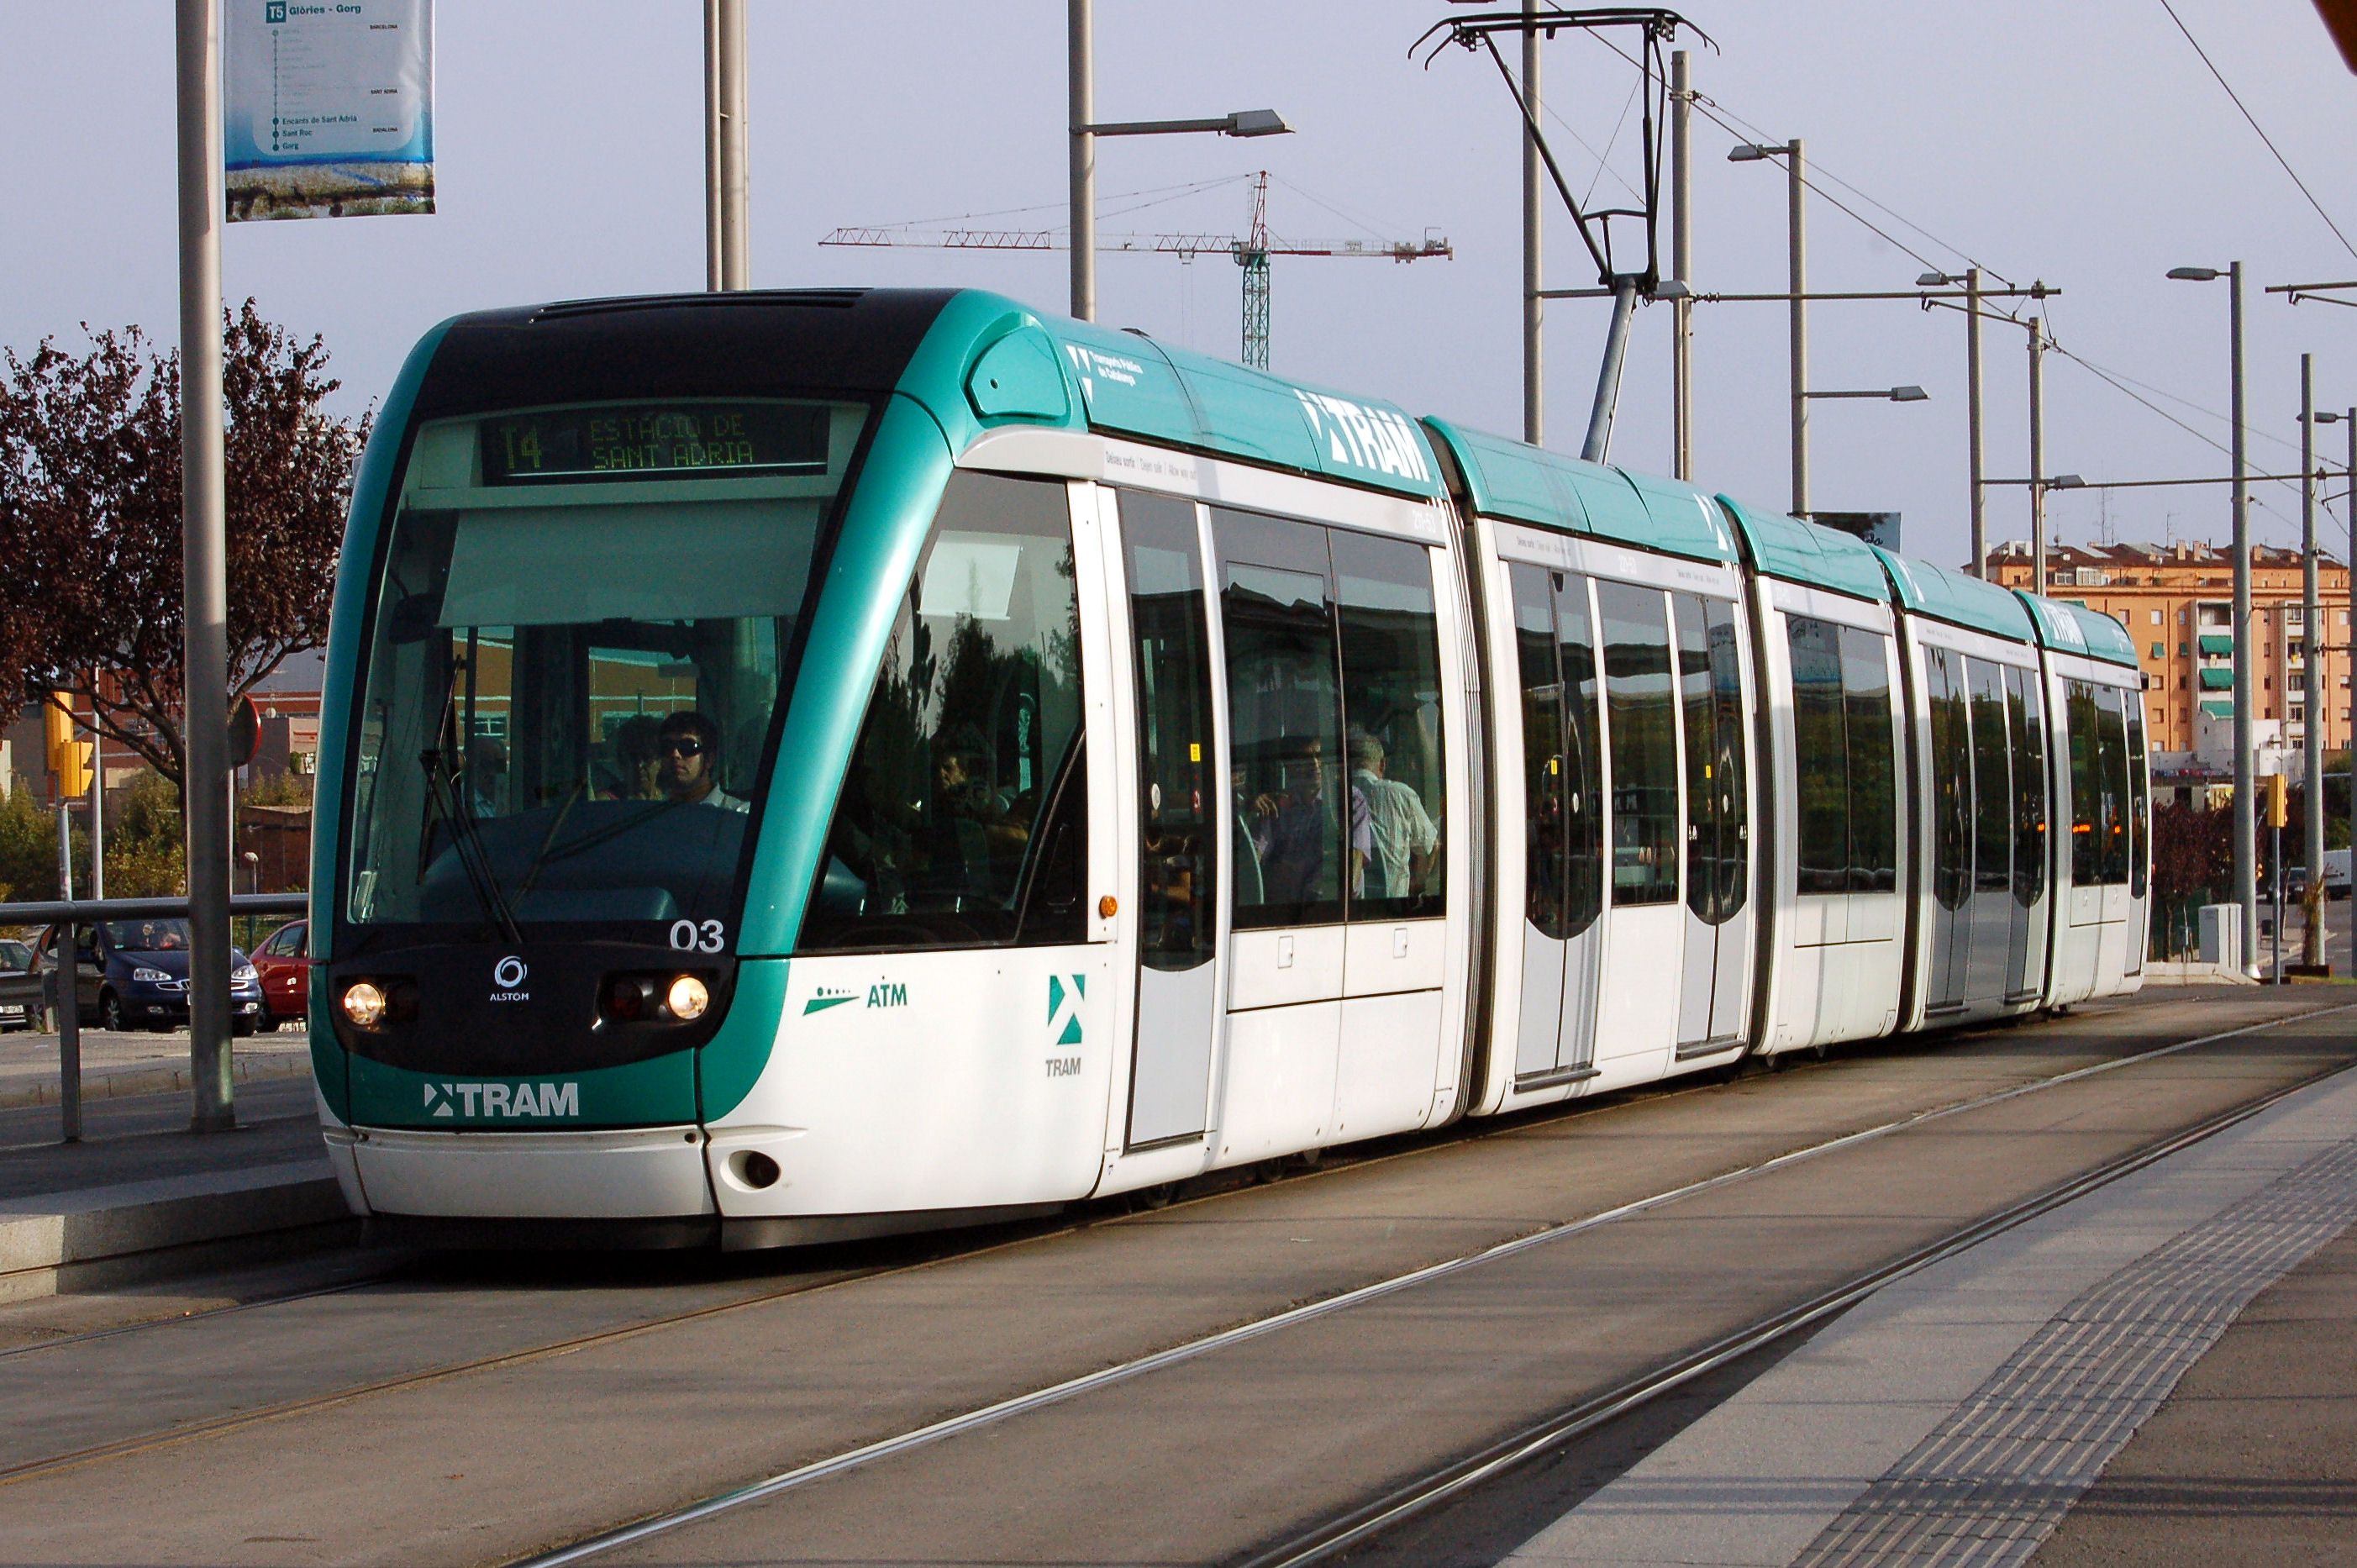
(467, 845)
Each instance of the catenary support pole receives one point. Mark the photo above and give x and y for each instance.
(1682, 264)
(1797, 240)
(736, 150)
(1975, 461)
(1081, 42)
(2350, 582)
(2313, 642)
(2246, 828)
(204, 578)
(2038, 455)
(714, 241)
(1533, 235)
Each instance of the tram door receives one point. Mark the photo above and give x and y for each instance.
(1951, 773)
(1992, 898)
(1177, 786)
(1562, 806)
(1719, 849)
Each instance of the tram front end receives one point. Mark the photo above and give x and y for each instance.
(607, 619)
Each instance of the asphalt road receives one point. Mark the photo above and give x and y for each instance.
(471, 1410)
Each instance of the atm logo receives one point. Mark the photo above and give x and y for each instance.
(883, 994)
(508, 1100)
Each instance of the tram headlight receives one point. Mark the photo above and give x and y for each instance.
(364, 1004)
(687, 998)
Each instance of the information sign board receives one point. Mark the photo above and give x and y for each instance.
(330, 110)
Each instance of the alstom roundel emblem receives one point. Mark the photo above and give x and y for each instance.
(510, 973)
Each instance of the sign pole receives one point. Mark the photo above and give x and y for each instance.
(204, 583)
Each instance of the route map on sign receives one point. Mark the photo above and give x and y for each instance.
(330, 110)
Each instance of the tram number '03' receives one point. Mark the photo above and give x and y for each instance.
(688, 937)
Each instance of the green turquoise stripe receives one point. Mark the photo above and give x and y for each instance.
(732, 1062)
(656, 1093)
(371, 485)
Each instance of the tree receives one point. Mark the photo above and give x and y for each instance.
(90, 521)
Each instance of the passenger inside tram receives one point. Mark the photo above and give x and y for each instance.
(1293, 830)
(1401, 832)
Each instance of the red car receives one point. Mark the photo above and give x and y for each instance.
(286, 974)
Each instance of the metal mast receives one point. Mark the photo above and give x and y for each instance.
(1252, 257)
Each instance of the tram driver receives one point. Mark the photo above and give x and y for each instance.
(687, 752)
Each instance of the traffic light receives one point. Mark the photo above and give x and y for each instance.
(2274, 801)
(69, 758)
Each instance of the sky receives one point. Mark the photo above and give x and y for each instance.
(2085, 146)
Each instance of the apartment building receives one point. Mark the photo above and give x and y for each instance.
(2177, 602)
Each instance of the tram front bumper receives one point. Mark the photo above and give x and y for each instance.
(639, 1172)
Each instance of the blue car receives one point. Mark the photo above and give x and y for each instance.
(133, 974)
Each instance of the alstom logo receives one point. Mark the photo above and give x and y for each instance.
(477, 1101)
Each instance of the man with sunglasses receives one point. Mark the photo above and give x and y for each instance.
(687, 753)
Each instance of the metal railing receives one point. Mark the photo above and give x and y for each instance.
(79, 912)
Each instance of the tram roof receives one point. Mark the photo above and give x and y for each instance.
(1958, 597)
(1014, 363)
(1511, 479)
(2067, 626)
(1809, 553)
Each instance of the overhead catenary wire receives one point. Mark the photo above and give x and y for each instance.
(2254, 122)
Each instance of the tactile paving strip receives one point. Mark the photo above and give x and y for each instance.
(1992, 1480)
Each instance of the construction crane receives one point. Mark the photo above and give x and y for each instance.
(1251, 251)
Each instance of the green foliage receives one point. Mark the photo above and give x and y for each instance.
(29, 848)
(146, 844)
(284, 789)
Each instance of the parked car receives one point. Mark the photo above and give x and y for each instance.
(20, 986)
(285, 973)
(132, 974)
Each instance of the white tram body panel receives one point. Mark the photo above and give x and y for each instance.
(1837, 953)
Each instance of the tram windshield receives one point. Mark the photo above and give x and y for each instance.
(581, 636)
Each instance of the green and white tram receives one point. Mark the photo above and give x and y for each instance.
(812, 764)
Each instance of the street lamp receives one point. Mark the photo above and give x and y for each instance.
(1085, 129)
(1797, 243)
(1887, 394)
(2247, 874)
(2350, 419)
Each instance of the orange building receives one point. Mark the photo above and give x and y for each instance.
(2177, 601)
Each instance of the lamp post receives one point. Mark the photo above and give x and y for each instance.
(1081, 42)
(2348, 418)
(1797, 247)
(2246, 873)
(1971, 279)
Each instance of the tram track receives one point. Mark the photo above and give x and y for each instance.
(1338, 1533)
(935, 1248)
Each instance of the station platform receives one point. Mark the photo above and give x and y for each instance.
(2155, 1372)
(142, 1195)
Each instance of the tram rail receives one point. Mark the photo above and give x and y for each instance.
(1330, 1536)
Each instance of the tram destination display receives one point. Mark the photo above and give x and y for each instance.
(654, 441)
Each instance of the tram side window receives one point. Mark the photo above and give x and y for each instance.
(1873, 775)
(1710, 685)
(1298, 829)
(1952, 779)
(1823, 754)
(2111, 755)
(1563, 768)
(2028, 785)
(1992, 779)
(962, 817)
(1545, 784)
(2139, 788)
(2079, 713)
(1178, 797)
(1641, 719)
(1391, 699)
